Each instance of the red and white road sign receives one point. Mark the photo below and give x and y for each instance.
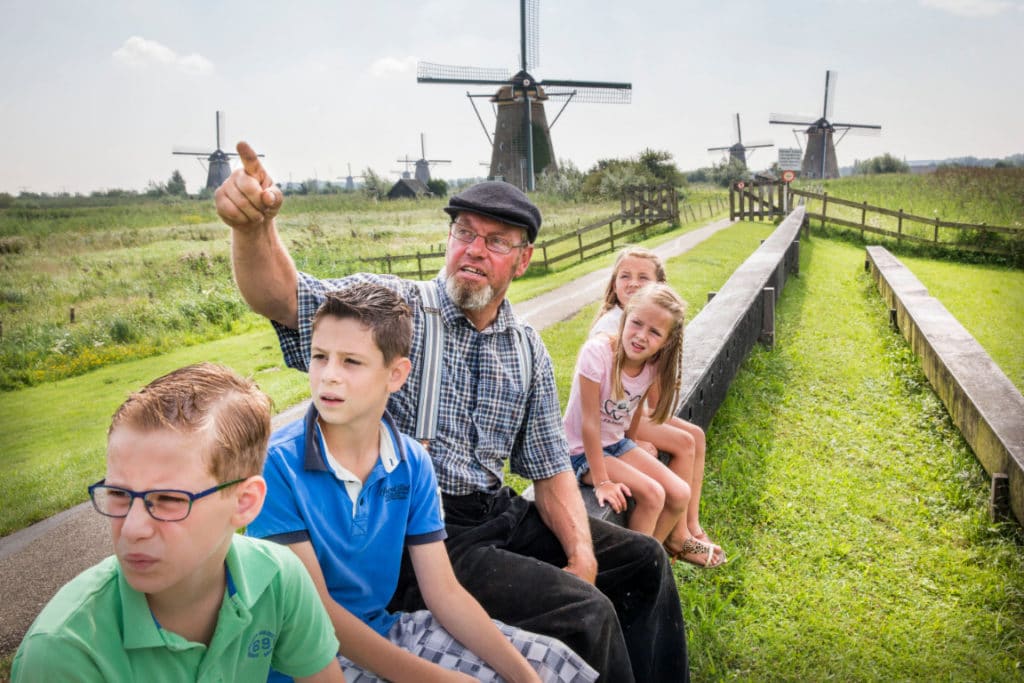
(788, 176)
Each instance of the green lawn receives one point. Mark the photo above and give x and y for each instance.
(54, 435)
(853, 513)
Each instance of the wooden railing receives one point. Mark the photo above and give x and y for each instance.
(912, 228)
(639, 216)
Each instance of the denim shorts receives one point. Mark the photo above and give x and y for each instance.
(579, 462)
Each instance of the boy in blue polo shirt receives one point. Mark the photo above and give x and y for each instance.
(347, 492)
(184, 597)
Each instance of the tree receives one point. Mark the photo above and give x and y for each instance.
(374, 186)
(438, 187)
(566, 182)
(658, 165)
(176, 185)
(728, 172)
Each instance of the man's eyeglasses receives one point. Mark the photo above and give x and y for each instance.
(163, 505)
(496, 243)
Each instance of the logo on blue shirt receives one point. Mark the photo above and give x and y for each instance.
(261, 645)
(398, 492)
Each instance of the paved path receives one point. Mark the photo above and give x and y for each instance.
(36, 561)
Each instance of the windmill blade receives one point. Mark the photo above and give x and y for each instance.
(867, 128)
(759, 144)
(530, 34)
(719, 149)
(192, 151)
(737, 132)
(590, 91)
(830, 93)
(792, 119)
(428, 72)
(438, 161)
(220, 128)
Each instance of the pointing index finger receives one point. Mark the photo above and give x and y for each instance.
(251, 162)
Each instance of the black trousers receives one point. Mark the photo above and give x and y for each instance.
(629, 627)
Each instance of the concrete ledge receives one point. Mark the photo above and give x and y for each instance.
(986, 407)
(721, 336)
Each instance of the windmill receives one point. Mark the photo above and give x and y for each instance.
(522, 136)
(219, 167)
(738, 150)
(350, 183)
(820, 155)
(423, 164)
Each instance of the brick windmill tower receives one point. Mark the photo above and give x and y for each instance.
(820, 152)
(521, 147)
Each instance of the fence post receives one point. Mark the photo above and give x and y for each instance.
(611, 234)
(824, 208)
(767, 317)
(863, 218)
(71, 315)
(419, 266)
(545, 248)
(579, 240)
(936, 240)
(899, 227)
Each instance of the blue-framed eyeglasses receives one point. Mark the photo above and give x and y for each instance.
(496, 243)
(163, 505)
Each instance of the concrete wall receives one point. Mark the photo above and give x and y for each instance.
(986, 407)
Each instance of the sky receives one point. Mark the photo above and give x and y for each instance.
(95, 95)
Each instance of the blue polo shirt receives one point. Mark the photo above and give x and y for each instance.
(359, 541)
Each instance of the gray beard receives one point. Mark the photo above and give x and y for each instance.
(467, 298)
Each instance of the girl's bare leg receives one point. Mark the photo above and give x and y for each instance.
(647, 493)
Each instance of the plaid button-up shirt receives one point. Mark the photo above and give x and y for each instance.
(486, 415)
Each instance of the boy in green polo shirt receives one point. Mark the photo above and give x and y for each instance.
(184, 598)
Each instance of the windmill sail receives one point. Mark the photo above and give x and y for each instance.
(522, 138)
(820, 155)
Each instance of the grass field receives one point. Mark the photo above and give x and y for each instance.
(853, 513)
(85, 287)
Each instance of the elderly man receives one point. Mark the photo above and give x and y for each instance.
(546, 567)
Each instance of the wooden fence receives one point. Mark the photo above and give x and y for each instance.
(642, 209)
(919, 229)
(758, 200)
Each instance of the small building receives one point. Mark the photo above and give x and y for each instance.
(408, 188)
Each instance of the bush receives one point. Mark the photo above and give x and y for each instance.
(886, 163)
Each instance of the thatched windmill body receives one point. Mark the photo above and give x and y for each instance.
(820, 153)
(219, 168)
(521, 147)
(738, 150)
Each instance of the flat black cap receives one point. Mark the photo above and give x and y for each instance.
(498, 200)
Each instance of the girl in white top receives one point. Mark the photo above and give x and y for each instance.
(614, 377)
(683, 441)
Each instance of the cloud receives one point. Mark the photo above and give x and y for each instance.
(972, 8)
(391, 66)
(140, 53)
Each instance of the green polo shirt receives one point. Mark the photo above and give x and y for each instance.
(97, 627)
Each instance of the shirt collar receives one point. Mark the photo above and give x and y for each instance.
(392, 450)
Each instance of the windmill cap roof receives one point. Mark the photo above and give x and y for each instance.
(498, 200)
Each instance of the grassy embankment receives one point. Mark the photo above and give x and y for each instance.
(989, 196)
